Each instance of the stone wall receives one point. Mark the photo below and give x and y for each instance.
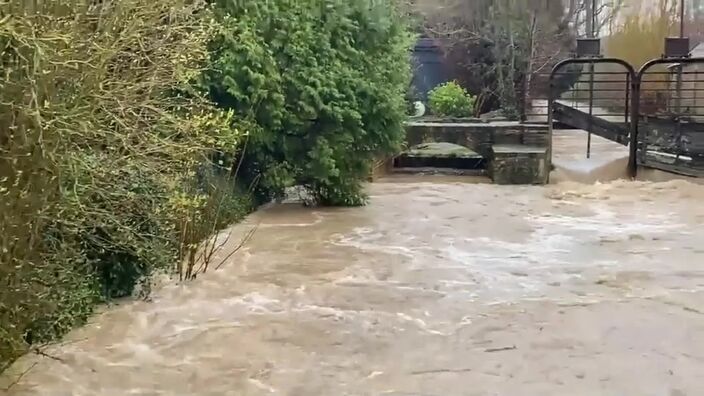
(516, 153)
(479, 137)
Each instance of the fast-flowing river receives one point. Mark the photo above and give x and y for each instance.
(438, 287)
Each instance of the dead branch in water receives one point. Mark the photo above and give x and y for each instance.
(504, 349)
(46, 355)
(442, 371)
(19, 377)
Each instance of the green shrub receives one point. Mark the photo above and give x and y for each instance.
(211, 203)
(115, 160)
(323, 84)
(451, 100)
(101, 126)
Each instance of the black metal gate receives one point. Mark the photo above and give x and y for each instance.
(595, 95)
(670, 108)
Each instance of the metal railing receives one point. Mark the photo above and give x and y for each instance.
(670, 128)
(657, 111)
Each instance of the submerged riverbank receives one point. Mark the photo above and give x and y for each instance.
(436, 286)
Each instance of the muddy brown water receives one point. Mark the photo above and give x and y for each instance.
(441, 286)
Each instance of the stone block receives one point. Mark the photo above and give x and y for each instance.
(519, 164)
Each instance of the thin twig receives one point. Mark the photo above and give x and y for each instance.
(46, 355)
(207, 260)
(19, 378)
(246, 239)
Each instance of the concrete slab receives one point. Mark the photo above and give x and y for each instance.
(441, 150)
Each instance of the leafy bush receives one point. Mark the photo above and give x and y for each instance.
(115, 160)
(101, 126)
(451, 100)
(323, 84)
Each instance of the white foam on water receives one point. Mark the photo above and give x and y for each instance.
(528, 268)
(421, 324)
(256, 303)
(318, 219)
(261, 385)
(607, 222)
(367, 239)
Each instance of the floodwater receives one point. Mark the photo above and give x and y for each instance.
(439, 287)
(607, 160)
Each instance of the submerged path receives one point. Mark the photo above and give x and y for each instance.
(436, 288)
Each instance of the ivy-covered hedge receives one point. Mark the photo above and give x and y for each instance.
(124, 123)
(323, 82)
(102, 133)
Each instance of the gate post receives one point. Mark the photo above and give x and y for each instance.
(635, 120)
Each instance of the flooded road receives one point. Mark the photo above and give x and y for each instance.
(438, 287)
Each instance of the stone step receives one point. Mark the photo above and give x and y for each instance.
(519, 164)
(439, 171)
